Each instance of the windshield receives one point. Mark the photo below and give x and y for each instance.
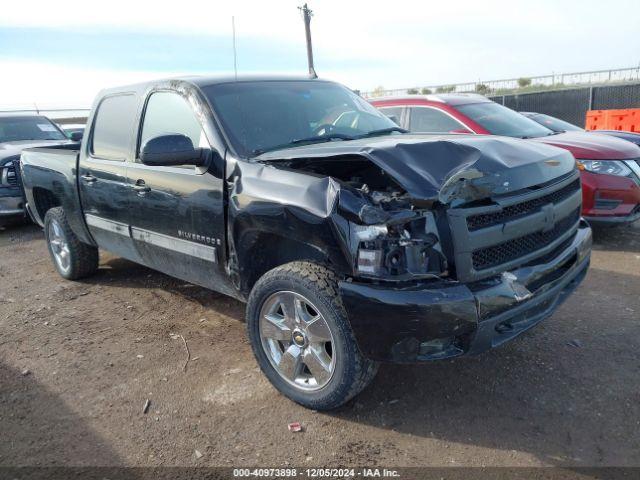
(262, 115)
(500, 120)
(13, 129)
(555, 124)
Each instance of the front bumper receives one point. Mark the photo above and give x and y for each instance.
(443, 319)
(11, 206)
(602, 220)
(610, 199)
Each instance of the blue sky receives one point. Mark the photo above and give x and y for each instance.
(149, 51)
(65, 54)
(125, 49)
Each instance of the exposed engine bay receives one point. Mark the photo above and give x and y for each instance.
(355, 172)
(392, 235)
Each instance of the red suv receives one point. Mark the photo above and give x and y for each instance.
(610, 166)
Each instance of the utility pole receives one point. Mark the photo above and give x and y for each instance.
(306, 15)
(235, 55)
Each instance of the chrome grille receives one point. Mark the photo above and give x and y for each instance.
(12, 179)
(514, 230)
(507, 251)
(483, 220)
(8, 175)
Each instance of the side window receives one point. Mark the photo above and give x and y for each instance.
(113, 127)
(394, 113)
(168, 112)
(431, 120)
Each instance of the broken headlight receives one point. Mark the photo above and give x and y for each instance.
(399, 251)
(369, 261)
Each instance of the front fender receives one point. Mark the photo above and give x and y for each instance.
(290, 208)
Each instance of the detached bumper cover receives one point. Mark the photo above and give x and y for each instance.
(444, 319)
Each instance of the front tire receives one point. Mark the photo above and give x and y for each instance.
(72, 258)
(302, 339)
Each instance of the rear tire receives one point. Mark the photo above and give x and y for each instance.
(72, 258)
(311, 357)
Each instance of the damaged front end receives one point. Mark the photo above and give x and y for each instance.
(389, 238)
(448, 246)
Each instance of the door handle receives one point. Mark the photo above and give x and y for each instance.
(88, 178)
(141, 188)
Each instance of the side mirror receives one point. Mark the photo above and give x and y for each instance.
(75, 136)
(170, 150)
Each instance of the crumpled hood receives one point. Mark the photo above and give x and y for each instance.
(592, 145)
(10, 149)
(447, 167)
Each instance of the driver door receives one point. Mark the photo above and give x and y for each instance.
(177, 217)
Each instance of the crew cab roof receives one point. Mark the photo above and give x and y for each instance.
(209, 80)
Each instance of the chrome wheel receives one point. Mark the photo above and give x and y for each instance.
(297, 340)
(59, 246)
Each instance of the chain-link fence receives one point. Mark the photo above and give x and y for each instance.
(58, 115)
(507, 86)
(572, 104)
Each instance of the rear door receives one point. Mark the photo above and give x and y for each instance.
(177, 213)
(423, 119)
(104, 193)
(396, 114)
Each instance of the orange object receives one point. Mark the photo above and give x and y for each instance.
(627, 120)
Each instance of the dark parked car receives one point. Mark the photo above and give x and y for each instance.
(73, 132)
(610, 169)
(18, 132)
(561, 126)
(629, 136)
(351, 242)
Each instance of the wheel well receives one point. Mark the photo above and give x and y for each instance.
(44, 201)
(265, 251)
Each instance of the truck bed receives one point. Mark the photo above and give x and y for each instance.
(50, 173)
(56, 155)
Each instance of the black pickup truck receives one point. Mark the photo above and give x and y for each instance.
(351, 242)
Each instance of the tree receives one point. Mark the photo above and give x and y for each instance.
(378, 91)
(426, 91)
(445, 89)
(412, 91)
(482, 89)
(524, 82)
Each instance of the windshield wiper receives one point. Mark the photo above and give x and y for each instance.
(298, 141)
(383, 131)
(327, 138)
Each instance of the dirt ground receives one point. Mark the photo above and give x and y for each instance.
(78, 360)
